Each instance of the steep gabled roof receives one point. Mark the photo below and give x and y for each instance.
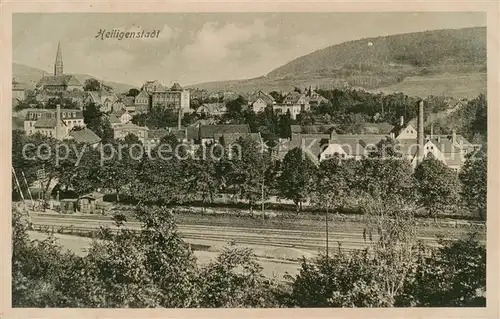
(252, 97)
(176, 87)
(292, 98)
(59, 80)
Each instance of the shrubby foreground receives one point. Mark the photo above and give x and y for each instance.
(153, 267)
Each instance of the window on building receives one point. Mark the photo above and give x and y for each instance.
(74, 114)
(64, 114)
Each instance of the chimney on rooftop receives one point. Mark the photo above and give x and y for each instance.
(420, 131)
(454, 136)
(179, 119)
(401, 121)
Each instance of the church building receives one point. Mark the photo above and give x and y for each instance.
(59, 82)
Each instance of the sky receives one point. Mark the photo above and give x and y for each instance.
(200, 47)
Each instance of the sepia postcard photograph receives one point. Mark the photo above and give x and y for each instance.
(324, 160)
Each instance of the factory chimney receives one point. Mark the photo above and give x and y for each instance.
(58, 121)
(179, 119)
(420, 131)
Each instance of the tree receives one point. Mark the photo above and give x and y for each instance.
(119, 169)
(277, 96)
(438, 186)
(297, 178)
(133, 92)
(64, 102)
(387, 179)
(370, 277)
(248, 170)
(98, 122)
(336, 182)
(135, 268)
(234, 279)
(92, 85)
(82, 175)
(159, 117)
(474, 180)
(451, 275)
(235, 110)
(353, 124)
(202, 174)
(161, 176)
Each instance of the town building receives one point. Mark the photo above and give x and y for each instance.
(94, 203)
(142, 102)
(174, 98)
(259, 100)
(315, 99)
(212, 109)
(102, 98)
(410, 142)
(38, 120)
(59, 82)
(213, 133)
(85, 136)
(293, 102)
(122, 130)
(18, 90)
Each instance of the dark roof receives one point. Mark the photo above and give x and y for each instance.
(59, 80)
(85, 135)
(230, 138)
(119, 112)
(176, 87)
(311, 144)
(252, 97)
(113, 119)
(209, 131)
(47, 122)
(292, 98)
(128, 100)
(93, 195)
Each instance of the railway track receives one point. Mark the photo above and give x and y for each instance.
(272, 238)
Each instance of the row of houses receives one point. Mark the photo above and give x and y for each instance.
(293, 103)
(61, 124)
(192, 135)
(319, 145)
(410, 142)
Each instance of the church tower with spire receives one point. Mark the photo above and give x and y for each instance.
(58, 66)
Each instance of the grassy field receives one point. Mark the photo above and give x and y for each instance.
(456, 85)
